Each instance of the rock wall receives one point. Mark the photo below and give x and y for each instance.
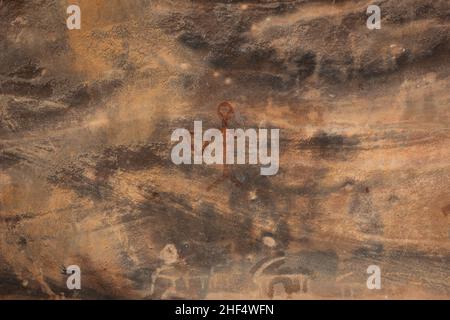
(86, 176)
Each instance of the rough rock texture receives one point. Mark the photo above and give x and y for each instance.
(86, 177)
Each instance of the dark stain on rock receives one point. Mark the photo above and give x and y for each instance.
(141, 276)
(371, 250)
(26, 88)
(12, 8)
(9, 159)
(78, 96)
(335, 70)
(73, 177)
(282, 233)
(324, 140)
(84, 94)
(22, 242)
(305, 64)
(315, 263)
(193, 40)
(29, 113)
(27, 71)
(11, 285)
(328, 145)
(15, 219)
(421, 267)
(128, 158)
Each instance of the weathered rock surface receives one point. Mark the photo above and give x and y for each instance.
(86, 177)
